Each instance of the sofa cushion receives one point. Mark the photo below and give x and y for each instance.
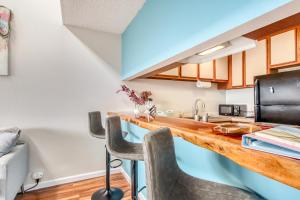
(8, 139)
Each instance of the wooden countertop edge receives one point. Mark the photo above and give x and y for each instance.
(282, 169)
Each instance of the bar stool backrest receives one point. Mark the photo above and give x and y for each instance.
(115, 141)
(162, 170)
(96, 128)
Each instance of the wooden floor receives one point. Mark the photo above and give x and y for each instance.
(81, 190)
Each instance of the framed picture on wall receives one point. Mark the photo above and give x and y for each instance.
(5, 16)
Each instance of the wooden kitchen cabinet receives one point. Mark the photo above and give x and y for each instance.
(280, 49)
(237, 70)
(189, 71)
(221, 69)
(255, 62)
(172, 72)
(206, 70)
(283, 48)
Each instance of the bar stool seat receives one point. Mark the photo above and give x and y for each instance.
(128, 151)
(165, 180)
(122, 149)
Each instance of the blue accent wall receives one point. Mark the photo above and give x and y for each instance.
(208, 165)
(164, 28)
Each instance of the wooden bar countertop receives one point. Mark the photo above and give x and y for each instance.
(280, 168)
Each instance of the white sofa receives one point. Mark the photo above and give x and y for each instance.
(13, 171)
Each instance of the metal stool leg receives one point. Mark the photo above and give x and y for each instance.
(108, 193)
(134, 180)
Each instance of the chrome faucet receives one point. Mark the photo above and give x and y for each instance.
(196, 108)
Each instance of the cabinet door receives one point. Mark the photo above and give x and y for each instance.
(206, 70)
(283, 48)
(171, 72)
(237, 70)
(256, 61)
(222, 68)
(189, 70)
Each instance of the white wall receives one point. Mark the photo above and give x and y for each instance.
(241, 96)
(57, 76)
(289, 69)
(55, 80)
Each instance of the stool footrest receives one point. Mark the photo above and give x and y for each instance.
(114, 160)
(140, 190)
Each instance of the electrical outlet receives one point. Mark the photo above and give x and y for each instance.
(37, 175)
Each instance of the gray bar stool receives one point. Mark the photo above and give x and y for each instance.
(123, 149)
(97, 130)
(165, 180)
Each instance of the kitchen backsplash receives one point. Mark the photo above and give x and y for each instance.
(180, 96)
(241, 96)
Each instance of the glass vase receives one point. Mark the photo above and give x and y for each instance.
(138, 110)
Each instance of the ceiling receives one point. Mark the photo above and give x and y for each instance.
(111, 16)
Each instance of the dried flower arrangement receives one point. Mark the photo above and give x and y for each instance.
(134, 97)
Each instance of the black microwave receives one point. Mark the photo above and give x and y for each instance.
(232, 110)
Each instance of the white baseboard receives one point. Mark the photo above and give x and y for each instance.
(70, 179)
(128, 179)
(80, 177)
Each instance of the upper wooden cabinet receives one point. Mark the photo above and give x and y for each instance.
(172, 72)
(189, 71)
(206, 70)
(237, 72)
(221, 68)
(280, 49)
(283, 48)
(255, 62)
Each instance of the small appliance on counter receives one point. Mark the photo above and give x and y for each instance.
(232, 110)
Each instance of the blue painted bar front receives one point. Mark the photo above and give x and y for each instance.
(208, 165)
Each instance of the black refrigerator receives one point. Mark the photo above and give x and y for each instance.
(277, 98)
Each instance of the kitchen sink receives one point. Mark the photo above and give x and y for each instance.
(211, 119)
(187, 117)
